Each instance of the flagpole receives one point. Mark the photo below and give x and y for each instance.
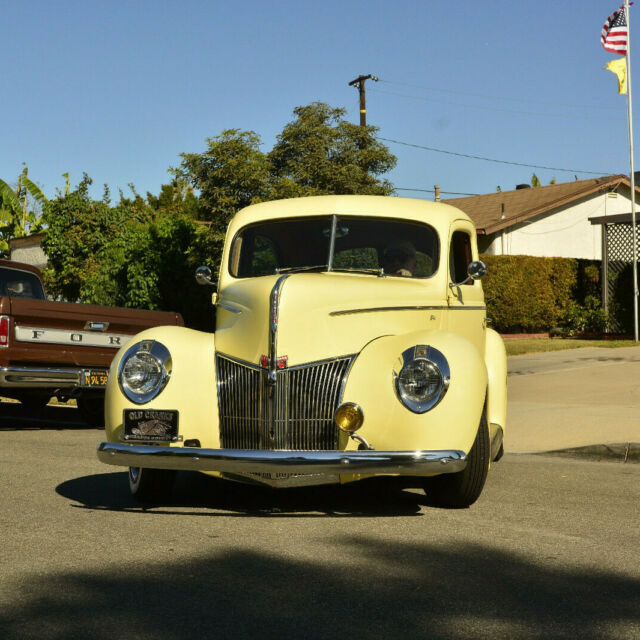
(632, 179)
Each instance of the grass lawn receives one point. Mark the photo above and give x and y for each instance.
(518, 346)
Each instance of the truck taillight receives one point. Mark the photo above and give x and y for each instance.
(4, 331)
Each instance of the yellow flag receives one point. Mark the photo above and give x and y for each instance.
(619, 67)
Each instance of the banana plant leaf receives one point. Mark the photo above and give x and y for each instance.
(34, 190)
(9, 198)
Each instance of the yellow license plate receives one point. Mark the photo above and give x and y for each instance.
(95, 378)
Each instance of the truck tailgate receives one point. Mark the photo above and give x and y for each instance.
(61, 333)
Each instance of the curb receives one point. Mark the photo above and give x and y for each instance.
(617, 451)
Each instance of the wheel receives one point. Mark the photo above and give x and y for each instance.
(462, 489)
(92, 410)
(151, 485)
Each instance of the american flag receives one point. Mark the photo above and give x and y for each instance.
(614, 33)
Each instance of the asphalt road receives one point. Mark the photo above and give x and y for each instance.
(549, 551)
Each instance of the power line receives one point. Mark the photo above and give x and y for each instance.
(495, 97)
(518, 164)
(488, 108)
(449, 193)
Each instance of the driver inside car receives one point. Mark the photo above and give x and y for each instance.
(400, 259)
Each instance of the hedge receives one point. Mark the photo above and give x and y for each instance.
(530, 294)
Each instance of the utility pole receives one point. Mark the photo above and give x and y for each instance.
(359, 82)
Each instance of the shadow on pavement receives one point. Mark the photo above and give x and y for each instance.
(376, 590)
(14, 416)
(375, 497)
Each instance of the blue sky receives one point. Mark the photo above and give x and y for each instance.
(120, 89)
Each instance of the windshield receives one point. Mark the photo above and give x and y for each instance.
(380, 246)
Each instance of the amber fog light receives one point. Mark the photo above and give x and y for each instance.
(349, 417)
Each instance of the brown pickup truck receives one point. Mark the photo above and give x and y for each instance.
(58, 348)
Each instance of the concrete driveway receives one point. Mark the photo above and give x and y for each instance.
(574, 398)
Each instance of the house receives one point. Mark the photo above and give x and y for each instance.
(549, 221)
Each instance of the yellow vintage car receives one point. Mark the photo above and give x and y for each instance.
(350, 341)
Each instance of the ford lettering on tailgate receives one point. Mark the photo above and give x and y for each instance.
(66, 336)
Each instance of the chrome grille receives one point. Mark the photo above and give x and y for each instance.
(294, 413)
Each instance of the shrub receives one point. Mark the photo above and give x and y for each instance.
(589, 317)
(527, 293)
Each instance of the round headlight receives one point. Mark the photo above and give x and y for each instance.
(144, 371)
(420, 380)
(423, 379)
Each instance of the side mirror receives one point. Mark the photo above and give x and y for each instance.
(477, 269)
(203, 276)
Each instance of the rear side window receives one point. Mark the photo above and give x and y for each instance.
(20, 284)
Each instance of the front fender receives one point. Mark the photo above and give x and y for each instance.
(388, 424)
(191, 388)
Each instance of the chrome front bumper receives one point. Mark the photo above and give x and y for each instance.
(278, 461)
(46, 377)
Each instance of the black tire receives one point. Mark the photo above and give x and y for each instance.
(92, 410)
(462, 489)
(151, 485)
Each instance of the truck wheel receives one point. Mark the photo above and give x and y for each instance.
(92, 410)
(151, 485)
(462, 489)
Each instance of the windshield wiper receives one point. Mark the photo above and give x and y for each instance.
(374, 272)
(322, 267)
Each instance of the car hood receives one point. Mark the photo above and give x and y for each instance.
(322, 315)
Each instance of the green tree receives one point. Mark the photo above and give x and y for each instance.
(176, 197)
(84, 237)
(230, 174)
(321, 153)
(20, 210)
(128, 255)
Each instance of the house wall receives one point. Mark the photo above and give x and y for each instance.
(565, 232)
(29, 253)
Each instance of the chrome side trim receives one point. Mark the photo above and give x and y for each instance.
(346, 312)
(279, 461)
(49, 378)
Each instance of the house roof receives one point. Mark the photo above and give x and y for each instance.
(523, 204)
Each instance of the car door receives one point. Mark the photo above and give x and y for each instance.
(465, 298)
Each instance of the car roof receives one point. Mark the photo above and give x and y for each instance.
(437, 214)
